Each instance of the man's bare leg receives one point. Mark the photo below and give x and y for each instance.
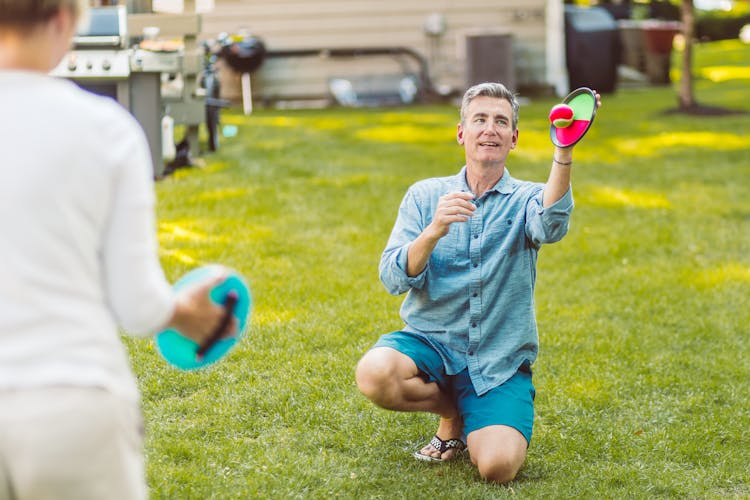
(392, 380)
(498, 451)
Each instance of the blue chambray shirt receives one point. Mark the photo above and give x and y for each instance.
(474, 302)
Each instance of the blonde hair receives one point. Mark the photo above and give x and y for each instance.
(27, 13)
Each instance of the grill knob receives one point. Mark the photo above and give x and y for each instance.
(106, 65)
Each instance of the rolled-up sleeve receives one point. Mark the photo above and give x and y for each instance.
(550, 224)
(409, 224)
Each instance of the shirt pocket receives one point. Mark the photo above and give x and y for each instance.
(505, 236)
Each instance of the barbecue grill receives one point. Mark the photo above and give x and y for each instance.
(102, 62)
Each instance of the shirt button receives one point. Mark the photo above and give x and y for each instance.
(475, 265)
(471, 353)
(476, 236)
(473, 325)
(475, 294)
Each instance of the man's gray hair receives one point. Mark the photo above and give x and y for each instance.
(490, 89)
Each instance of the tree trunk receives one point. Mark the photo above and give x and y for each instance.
(685, 95)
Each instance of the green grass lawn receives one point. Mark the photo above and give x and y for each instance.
(644, 308)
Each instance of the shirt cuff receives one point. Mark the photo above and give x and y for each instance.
(413, 281)
(563, 205)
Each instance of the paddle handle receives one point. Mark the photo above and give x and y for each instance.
(229, 304)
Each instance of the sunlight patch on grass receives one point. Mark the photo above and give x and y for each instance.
(533, 145)
(278, 263)
(213, 167)
(732, 272)
(425, 119)
(234, 119)
(341, 181)
(267, 317)
(329, 123)
(276, 121)
(252, 232)
(720, 74)
(320, 123)
(179, 174)
(652, 146)
(271, 144)
(607, 196)
(587, 390)
(178, 255)
(405, 134)
(224, 194)
(170, 232)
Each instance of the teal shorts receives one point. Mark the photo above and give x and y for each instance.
(511, 403)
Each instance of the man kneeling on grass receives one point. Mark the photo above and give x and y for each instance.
(465, 247)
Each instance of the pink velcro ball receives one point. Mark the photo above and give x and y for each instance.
(561, 115)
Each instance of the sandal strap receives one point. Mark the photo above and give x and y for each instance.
(444, 445)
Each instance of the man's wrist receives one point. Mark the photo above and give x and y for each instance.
(564, 163)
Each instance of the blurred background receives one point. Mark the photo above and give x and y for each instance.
(185, 60)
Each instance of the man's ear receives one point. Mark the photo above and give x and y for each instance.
(64, 23)
(60, 28)
(460, 134)
(514, 139)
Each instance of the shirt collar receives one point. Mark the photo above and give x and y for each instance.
(506, 184)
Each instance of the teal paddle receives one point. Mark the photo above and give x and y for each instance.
(234, 295)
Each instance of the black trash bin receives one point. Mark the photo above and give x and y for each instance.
(592, 48)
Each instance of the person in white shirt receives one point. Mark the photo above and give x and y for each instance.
(78, 261)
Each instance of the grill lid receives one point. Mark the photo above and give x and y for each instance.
(106, 27)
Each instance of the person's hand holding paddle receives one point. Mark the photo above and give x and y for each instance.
(197, 317)
(212, 311)
(569, 122)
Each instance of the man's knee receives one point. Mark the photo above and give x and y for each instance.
(499, 467)
(381, 376)
(498, 452)
(376, 376)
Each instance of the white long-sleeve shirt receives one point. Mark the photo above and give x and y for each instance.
(78, 249)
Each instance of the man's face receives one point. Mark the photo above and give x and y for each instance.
(487, 133)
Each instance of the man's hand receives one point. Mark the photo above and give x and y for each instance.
(452, 207)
